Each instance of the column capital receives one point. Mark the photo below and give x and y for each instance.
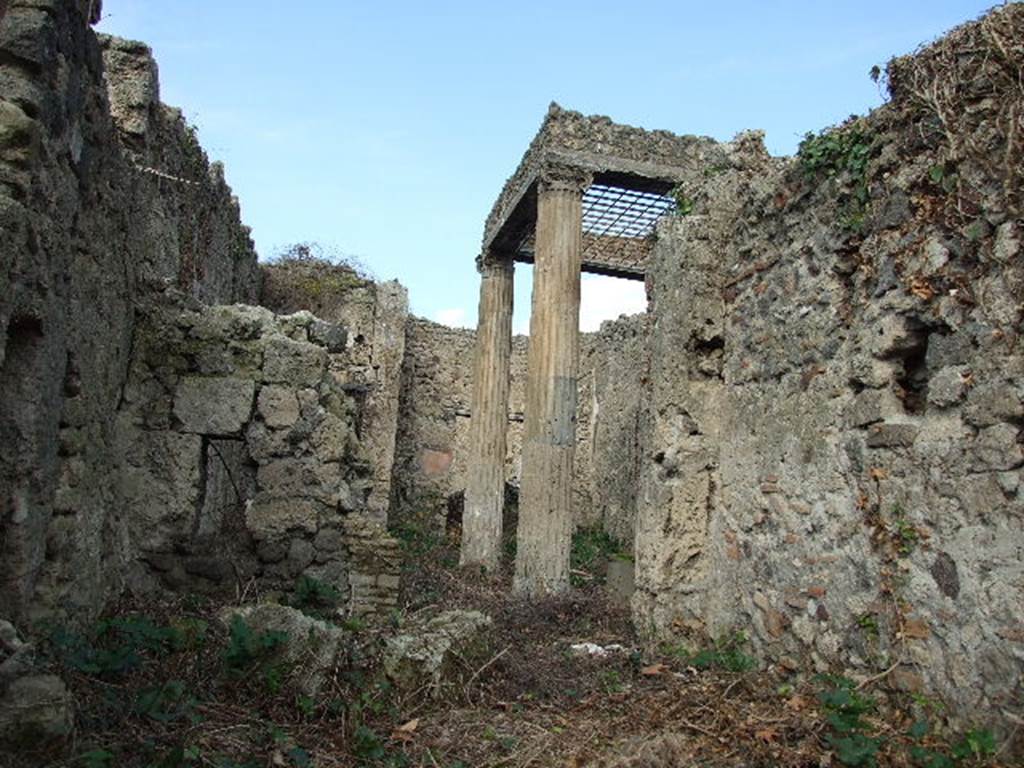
(554, 177)
(489, 264)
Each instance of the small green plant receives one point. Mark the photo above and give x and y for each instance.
(726, 653)
(367, 745)
(944, 177)
(306, 705)
(416, 539)
(589, 547)
(684, 203)
(299, 757)
(868, 622)
(353, 624)
(315, 597)
(250, 651)
(114, 646)
(611, 681)
(832, 153)
(906, 536)
(921, 756)
(178, 757)
(166, 703)
(976, 744)
(845, 708)
(97, 758)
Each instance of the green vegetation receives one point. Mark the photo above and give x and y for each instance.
(116, 646)
(251, 652)
(845, 709)
(906, 536)
(727, 653)
(684, 203)
(315, 598)
(944, 177)
(187, 680)
(856, 742)
(868, 622)
(844, 151)
(591, 547)
(975, 746)
(167, 703)
(312, 271)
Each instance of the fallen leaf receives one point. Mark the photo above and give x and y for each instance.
(796, 703)
(404, 732)
(653, 670)
(916, 628)
(921, 288)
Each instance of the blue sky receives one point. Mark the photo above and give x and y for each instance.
(386, 130)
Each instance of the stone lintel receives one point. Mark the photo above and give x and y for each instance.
(609, 153)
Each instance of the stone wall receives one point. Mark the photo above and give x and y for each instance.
(833, 454)
(614, 363)
(374, 315)
(433, 426)
(240, 462)
(103, 192)
(435, 411)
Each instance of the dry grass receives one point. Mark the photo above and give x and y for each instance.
(969, 87)
(519, 700)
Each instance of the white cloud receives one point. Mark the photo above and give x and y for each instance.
(601, 298)
(454, 317)
(605, 298)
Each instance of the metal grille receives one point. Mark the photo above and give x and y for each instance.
(619, 212)
(618, 224)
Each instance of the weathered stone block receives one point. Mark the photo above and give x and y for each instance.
(997, 448)
(330, 439)
(214, 405)
(36, 707)
(892, 335)
(312, 646)
(991, 402)
(892, 435)
(270, 516)
(423, 654)
(330, 335)
(948, 386)
(295, 363)
(278, 406)
(329, 540)
(871, 406)
(300, 555)
(302, 478)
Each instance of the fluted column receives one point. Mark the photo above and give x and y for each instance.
(549, 440)
(485, 484)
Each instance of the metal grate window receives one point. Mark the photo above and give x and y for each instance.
(617, 226)
(619, 212)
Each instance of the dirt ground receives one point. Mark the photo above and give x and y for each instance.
(521, 698)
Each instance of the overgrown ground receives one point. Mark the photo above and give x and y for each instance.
(168, 686)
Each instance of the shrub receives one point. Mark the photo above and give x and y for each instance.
(250, 651)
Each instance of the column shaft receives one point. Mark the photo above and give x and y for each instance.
(545, 500)
(485, 484)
